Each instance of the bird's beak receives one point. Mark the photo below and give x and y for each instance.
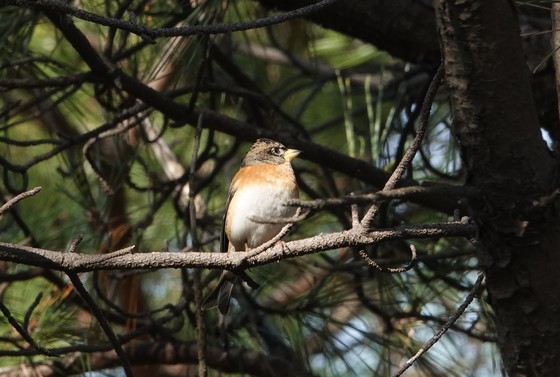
(290, 154)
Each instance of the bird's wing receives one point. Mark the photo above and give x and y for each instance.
(223, 236)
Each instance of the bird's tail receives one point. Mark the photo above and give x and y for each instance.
(221, 295)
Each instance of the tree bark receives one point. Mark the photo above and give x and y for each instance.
(496, 123)
(555, 13)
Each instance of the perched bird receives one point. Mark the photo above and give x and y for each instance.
(260, 189)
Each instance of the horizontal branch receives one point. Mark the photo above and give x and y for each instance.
(151, 33)
(125, 259)
(410, 192)
(236, 360)
(17, 83)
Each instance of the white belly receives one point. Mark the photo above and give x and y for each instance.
(259, 201)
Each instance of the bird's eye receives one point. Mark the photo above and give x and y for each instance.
(276, 151)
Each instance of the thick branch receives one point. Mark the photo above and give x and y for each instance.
(125, 260)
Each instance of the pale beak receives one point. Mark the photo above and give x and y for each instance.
(290, 154)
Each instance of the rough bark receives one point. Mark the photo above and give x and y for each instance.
(506, 158)
(555, 13)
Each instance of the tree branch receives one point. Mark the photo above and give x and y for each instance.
(10, 203)
(219, 122)
(236, 360)
(437, 336)
(124, 259)
(82, 291)
(152, 33)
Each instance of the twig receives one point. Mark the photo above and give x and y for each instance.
(285, 230)
(151, 33)
(23, 332)
(116, 253)
(297, 217)
(412, 263)
(474, 291)
(424, 120)
(106, 134)
(74, 244)
(414, 146)
(79, 287)
(30, 310)
(10, 203)
(411, 192)
(355, 215)
(239, 271)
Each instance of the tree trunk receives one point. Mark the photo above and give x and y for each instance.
(406, 29)
(496, 123)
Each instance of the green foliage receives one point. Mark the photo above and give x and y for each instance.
(293, 78)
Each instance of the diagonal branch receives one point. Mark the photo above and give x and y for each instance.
(23, 332)
(74, 278)
(437, 336)
(10, 203)
(404, 163)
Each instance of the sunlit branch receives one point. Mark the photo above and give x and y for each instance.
(10, 203)
(125, 259)
(396, 176)
(460, 310)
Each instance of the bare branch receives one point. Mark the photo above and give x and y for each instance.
(412, 263)
(397, 174)
(124, 259)
(152, 33)
(15, 83)
(424, 119)
(283, 233)
(405, 193)
(74, 278)
(236, 360)
(23, 332)
(460, 310)
(10, 203)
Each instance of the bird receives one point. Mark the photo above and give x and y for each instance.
(260, 189)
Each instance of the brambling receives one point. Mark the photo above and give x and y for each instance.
(260, 189)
